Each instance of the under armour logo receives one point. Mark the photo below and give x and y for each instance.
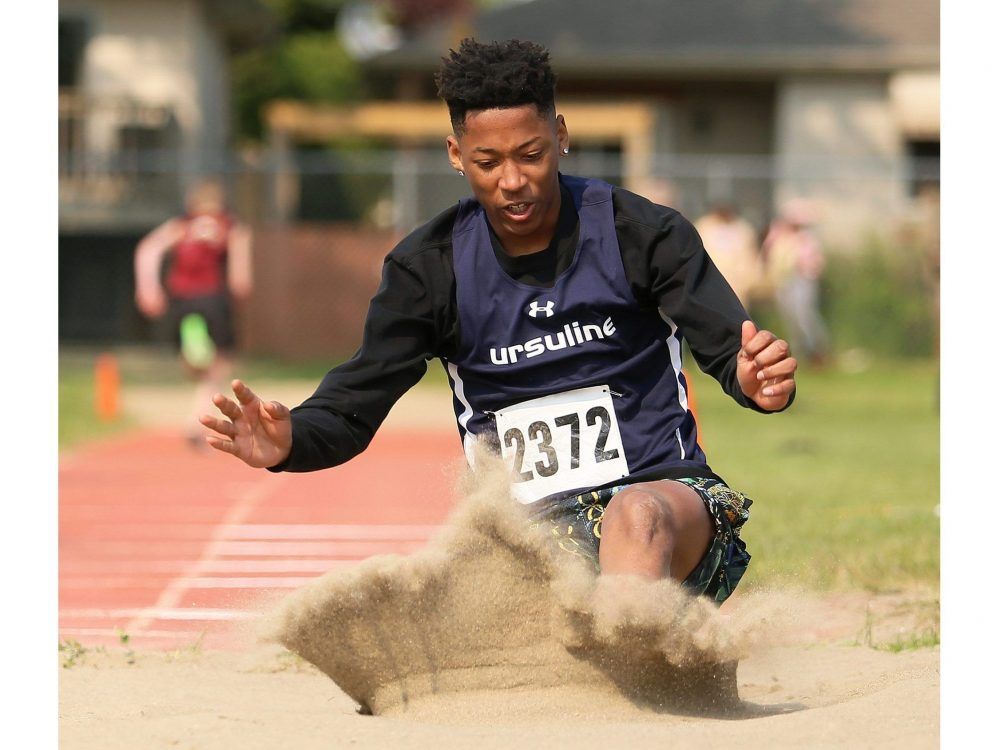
(534, 310)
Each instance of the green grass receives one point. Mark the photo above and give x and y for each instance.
(267, 368)
(845, 483)
(910, 638)
(911, 642)
(78, 422)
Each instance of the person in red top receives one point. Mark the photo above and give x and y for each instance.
(209, 265)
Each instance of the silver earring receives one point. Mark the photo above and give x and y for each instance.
(565, 151)
(461, 173)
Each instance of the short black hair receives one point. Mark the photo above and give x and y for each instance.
(495, 75)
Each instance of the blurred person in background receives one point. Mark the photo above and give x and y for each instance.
(794, 263)
(731, 242)
(209, 266)
(558, 306)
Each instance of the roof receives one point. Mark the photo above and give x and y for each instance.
(663, 37)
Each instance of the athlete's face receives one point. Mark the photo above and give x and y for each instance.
(511, 158)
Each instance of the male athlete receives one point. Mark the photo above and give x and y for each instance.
(557, 305)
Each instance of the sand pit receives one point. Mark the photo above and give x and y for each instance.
(492, 636)
(495, 604)
(818, 695)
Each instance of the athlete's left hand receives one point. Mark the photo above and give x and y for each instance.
(765, 368)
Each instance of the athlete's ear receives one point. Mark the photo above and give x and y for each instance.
(562, 134)
(454, 153)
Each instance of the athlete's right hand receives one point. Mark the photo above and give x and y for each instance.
(257, 432)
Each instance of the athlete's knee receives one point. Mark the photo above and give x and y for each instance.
(640, 515)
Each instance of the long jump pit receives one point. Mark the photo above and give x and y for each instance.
(490, 636)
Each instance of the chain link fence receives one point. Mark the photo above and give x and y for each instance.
(323, 220)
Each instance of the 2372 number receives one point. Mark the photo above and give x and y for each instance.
(540, 433)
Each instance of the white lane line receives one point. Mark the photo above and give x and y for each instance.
(179, 514)
(334, 550)
(190, 582)
(246, 582)
(333, 531)
(177, 567)
(227, 548)
(312, 549)
(116, 633)
(183, 613)
(261, 531)
(249, 497)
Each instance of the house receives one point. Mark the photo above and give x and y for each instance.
(143, 110)
(692, 102)
(687, 101)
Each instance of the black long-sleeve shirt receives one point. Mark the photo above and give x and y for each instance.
(413, 318)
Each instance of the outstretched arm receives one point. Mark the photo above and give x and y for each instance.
(401, 334)
(765, 368)
(257, 432)
(149, 295)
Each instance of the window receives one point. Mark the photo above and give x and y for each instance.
(72, 41)
(925, 164)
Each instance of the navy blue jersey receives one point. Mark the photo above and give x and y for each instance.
(517, 339)
(519, 342)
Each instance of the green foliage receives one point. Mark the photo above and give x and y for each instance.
(880, 299)
(305, 61)
(318, 68)
(306, 15)
(310, 66)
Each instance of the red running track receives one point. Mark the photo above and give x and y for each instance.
(175, 546)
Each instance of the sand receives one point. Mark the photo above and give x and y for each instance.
(492, 636)
(494, 604)
(821, 696)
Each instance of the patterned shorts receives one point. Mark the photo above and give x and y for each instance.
(575, 524)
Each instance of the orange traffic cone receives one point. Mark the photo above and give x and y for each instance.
(693, 408)
(107, 384)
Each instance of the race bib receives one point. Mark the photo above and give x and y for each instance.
(562, 442)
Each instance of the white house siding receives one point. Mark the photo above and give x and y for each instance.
(158, 52)
(916, 103)
(838, 143)
(720, 138)
(725, 120)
